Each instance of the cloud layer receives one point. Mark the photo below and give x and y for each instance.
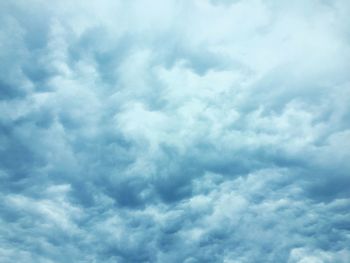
(175, 131)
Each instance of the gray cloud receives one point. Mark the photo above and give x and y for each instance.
(177, 131)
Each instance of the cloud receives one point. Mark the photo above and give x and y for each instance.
(177, 131)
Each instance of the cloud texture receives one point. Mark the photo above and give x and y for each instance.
(175, 131)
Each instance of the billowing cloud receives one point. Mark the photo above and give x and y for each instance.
(174, 131)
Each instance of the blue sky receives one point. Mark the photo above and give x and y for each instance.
(175, 131)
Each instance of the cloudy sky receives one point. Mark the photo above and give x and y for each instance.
(173, 131)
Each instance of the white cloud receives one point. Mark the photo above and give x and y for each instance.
(174, 131)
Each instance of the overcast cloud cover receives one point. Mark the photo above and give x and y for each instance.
(175, 131)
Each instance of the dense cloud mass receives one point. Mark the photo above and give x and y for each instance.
(175, 131)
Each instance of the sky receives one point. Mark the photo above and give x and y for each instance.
(175, 131)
